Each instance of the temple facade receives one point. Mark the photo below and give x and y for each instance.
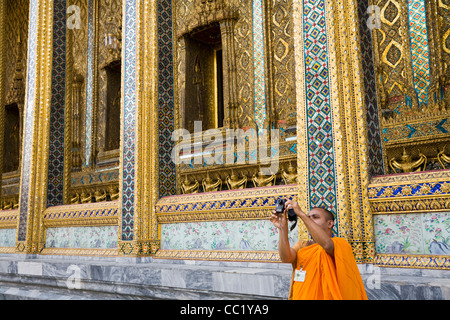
(167, 129)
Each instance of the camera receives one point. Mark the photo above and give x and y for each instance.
(280, 209)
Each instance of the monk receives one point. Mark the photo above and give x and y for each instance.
(324, 268)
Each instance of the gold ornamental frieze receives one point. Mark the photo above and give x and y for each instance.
(413, 261)
(8, 219)
(246, 204)
(410, 192)
(80, 252)
(91, 214)
(220, 255)
(94, 186)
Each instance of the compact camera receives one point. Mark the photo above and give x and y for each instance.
(280, 209)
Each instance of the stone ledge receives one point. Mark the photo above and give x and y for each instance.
(47, 277)
(138, 279)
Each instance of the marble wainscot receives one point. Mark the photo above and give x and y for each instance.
(76, 278)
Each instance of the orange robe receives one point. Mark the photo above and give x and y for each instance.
(327, 278)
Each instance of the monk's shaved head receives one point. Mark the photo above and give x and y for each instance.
(328, 214)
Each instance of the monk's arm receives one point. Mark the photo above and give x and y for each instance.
(318, 234)
(287, 254)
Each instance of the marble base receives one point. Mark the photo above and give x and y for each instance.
(76, 278)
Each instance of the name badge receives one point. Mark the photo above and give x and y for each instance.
(299, 275)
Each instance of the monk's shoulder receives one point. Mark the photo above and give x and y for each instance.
(341, 242)
(300, 244)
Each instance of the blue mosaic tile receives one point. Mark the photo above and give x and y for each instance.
(322, 186)
(57, 113)
(167, 172)
(29, 120)
(129, 87)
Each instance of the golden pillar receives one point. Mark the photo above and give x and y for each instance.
(331, 126)
(138, 232)
(2, 83)
(33, 182)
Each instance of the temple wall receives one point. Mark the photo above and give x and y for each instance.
(124, 202)
(411, 218)
(221, 225)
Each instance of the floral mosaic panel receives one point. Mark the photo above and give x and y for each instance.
(104, 237)
(414, 233)
(8, 237)
(253, 235)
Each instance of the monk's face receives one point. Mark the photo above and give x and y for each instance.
(319, 217)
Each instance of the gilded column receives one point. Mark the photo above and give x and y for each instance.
(2, 83)
(91, 87)
(332, 123)
(351, 113)
(138, 232)
(33, 183)
(229, 70)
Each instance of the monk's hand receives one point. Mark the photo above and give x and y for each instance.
(279, 220)
(290, 204)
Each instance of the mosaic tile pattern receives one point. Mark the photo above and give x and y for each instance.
(410, 189)
(129, 122)
(258, 63)
(29, 119)
(322, 186)
(419, 48)
(375, 156)
(167, 170)
(90, 78)
(57, 114)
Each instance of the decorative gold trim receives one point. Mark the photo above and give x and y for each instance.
(300, 98)
(226, 215)
(245, 204)
(219, 255)
(146, 132)
(8, 250)
(240, 194)
(386, 51)
(38, 136)
(410, 193)
(2, 84)
(409, 178)
(68, 143)
(8, 219)
(383, 18)
(412, 261)
(91, 214)
(417, 205)
(79, 252)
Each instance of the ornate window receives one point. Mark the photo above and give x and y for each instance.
(204, 77)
